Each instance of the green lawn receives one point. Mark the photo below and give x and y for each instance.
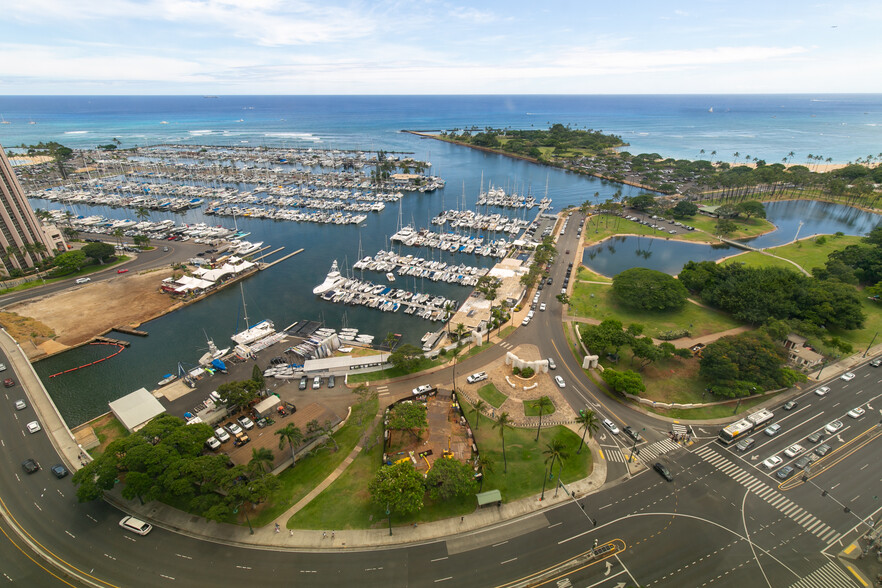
(394, 372)
(491, 394)
(746, 227)
(709, 412)
(597, 301)
(861, 338)
(296, 482)
(806, 252)
(86, 271)
(526, 461)
(531, 408)
(586, 275)
(756, 259)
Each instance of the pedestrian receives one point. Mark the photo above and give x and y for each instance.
(333, 534)
(278, 528)
(461, 519)
(324, 534)
(414, 525)
(290, 532)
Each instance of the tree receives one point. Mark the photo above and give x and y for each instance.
(607, 337)
(725, 227)
(555, 451)
(642, 202)
(70, 261)
(408, 416)
(449, 478)
(649, 289)
(257, 377)
(502, 423)
(407, 357)
(70, 233)
(751, 208)
(398, 488)
(292, 435)
(328, 431)
(743, 364)
(626, 382)
(100, 252)
(589, 424)
(141, 240)
(543, 403)
(118, 233)
(684, 209)
(485, 465)
(261, 461)
(142, 213)
(479, 407)
(238, 393)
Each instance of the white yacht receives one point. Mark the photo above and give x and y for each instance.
(332, 280)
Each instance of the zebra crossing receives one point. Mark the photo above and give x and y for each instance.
(647, 452)
(506, 345)
(383, 390)
(828, 576)
(770, 495)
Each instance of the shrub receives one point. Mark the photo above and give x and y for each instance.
(516, 370)
(527, 372)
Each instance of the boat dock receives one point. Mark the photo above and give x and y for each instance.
(280, 260)
(130, 331)
(408, 265)
(112, 341)
(267, 254)
(389, 299)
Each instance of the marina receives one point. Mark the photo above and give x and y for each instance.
(452, 242)
(417, 267)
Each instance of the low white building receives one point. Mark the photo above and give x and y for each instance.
(136, 409)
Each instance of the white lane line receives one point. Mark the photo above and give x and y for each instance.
(443, 579)
(167, 577)
(71, 534)
(498, 544)
(502, 563)
(556, 524)
(440, 558)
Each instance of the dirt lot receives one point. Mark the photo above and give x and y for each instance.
(78, 314)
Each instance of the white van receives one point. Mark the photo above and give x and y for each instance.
(135, 525)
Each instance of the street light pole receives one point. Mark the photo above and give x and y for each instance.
(544, 480)
(389, 516)
(871, 343)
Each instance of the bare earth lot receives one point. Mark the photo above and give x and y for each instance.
(80, 313)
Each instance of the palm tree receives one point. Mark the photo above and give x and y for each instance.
(118, 233)
(502, 422)
(587, 421)
(542, 404)
(389, 341)
(261, 460)
(142, 213)
(485, 465)
(479, 407)
(292, 435)
(556, 450)
(448, 314)
(459, 331)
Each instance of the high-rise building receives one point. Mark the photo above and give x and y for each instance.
(24, 240)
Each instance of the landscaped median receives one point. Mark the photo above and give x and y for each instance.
(523, 476)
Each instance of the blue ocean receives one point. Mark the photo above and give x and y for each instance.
(840, 127)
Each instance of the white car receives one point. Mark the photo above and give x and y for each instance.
(773, 462)
(20, 405)
(611, 426)
(560, 382)
(2, 367)
(212, 443)
(542, 307)
(135, 525)
(834, 426)
(856, 413)
(794, 450)
(822, 391)
(424, 389)
(83, 280)
(245, 422)
(847, 376)
(33, 427)
(233, 428)
(221, 435)
(525, 322)
(477, 377)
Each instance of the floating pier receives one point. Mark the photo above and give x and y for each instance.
(130, 331)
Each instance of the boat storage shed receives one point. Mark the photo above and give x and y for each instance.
(136, 409)
(344, 365)
(267, 406)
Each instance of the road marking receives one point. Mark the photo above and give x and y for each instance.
(71, 534)
(130, 538)
(183, 556)
(440, 558)
(166, 577)
(498, 544)
(554, 525)
(38, 507)
(244, 567)
(372, 569)
(110, 556)
(443, 579)
(502, 563)
(93, 518)
(308, 571)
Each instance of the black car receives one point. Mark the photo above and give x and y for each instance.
(665, 472)
(630, 432)
(304, 381)
(815, 437)
(549, 281)
(59, 470)
(784, 472)
(30, 466)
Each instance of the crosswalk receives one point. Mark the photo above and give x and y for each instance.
(506, 345)
(383, 390)
(770, 495)
(647, 452)
(828, 576)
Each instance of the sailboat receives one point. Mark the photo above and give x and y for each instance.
(3, 121)
(251, 334)
(212, 353)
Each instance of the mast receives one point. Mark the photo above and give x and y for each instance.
(244, 308)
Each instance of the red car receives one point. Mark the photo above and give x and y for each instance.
(122, 271)
(9, 382)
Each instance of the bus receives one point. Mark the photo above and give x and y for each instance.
(741, 428)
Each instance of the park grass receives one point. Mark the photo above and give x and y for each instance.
(597, 301)
(526, 461)
(807, 253)
(108, 429)
(394, 372)
(717, 411)
(531, 408)
(86, 271)
(491, 394)
(861, 338)
(757, 259)
(586, 275)
(309, 471)
(750, 227)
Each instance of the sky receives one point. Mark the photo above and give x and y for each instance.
(439, 47)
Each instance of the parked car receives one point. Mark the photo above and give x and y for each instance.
(745, 444)
(34, 427)
(560, 382)
(476, 377)
(316, 382)
(772, 430)
(551, 364)
(804, 461)
(542, 307)
(784, 472)
(611, 426)
(214, 396)
(773, 462)
(2, 367)
(135, 525)
(833, 426)
(665, 472)
(822, 450)
(794, 450)
(847, 376)
(424, 389)
(332, 381)
(9, 382)
(856, 413)
(815, 437)
(822, 391)
(304, 382)
(245, 422)
(212, 443)
(20, 405)
(233, 428)
(83, 280)
(221, 435)
(790, 405)
(59, 470)
(30, 465)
